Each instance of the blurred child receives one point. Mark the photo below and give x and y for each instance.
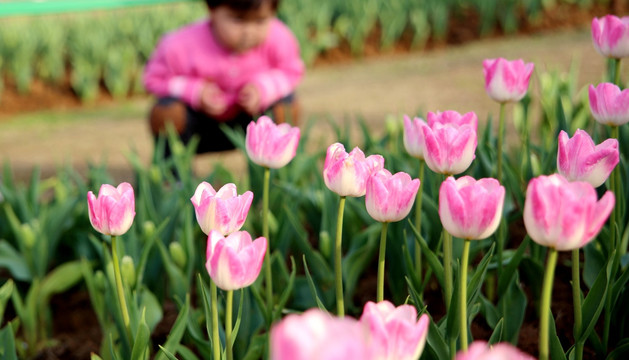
(230, 68)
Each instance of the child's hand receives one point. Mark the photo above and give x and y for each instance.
(212, 101)
(249, 99)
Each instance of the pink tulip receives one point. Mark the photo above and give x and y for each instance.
(564, 215)
(453, 118)
(224, 211)
(395, 332)
(413, 137)
(471, 209)
(449, 149)
(579, 159)
(480, 350)
(506, 81)
(390, 197)
(271, 145)
(112, 212)
(610, 35)
(234, 262)
(347, 174)
(609, 105)
(315, 335)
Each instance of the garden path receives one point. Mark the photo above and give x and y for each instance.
(442, 79)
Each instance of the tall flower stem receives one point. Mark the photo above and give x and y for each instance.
(547, 289)
(576, 299)
(228, 325)
(418, 220)
(338, 257)
(463, 294)
(381, 257)
(216, 340)
(447, 267)
(268, 277)
(120, 289)
(617, 72)
(501, 133)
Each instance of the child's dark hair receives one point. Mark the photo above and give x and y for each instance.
(241, 5)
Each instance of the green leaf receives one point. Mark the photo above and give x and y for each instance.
(167, 353)
(497, 336)
(61, 279)
(5, 295)
(256, 347)
(287, 291)
(507, 272)
(95, 357)
(479, 274)
(238, 319)
(311, 285)
(177, 331)
(7, 344)
(595, 300)
(141, 340)
(431, 258)
(14, 262)
(556, 350)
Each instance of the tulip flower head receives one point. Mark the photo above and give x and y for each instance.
(453, 118)
(395, 331)
(112, 212)
(480, 350)
(506, 81)
(315, 335)
(271, 145)
(579, 159)
(564, 215)
(471, 209)
(224, 210)
(347, 174)
(610, 35)
(609, 105)
(449, 149)
(234, 262)
(413, 137)
(389, 197)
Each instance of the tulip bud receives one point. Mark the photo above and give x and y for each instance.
(178, 254)
(100, 281)
(155, 174)
(177, 148)
(27, 235)
(325, 244)
(149, 229)
(112, 212)
(127, 270)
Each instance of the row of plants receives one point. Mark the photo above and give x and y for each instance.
(111, 47)
(135, 247)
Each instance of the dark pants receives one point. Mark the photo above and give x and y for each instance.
(211, 137)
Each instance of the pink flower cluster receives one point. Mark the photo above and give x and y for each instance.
(383, 332)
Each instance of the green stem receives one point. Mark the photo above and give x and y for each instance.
(216, 340)
(447, 267)
(228, 324)
(463, 294)
(338, 257)
(418, 220)
(547, 290)
(268, 277)
(501, 131)
(576, 299)
(617, 72)
(120, 289)
(381, 257)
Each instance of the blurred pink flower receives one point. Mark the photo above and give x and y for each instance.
(480, 350)
(224, 211)
(396, 333)
(609, 105)
(413, 137)
(347, 174)
(112, 212)
(471, 209)
(506, 81)
(271, 145)
(234, 262)
(610, 35)
(316, 335)
(579, 159)
(449, 149)
(564, 215)
(453, 118)
(390, 197)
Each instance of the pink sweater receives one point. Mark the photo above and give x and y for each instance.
(190, 55)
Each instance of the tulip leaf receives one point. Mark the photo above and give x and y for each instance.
(408, 266)
(288, 290)
(207, 303)
(7, 343)
(595, 301)
(512, 303)
(238, 318)
(435, 340)
(167, 353)
(430, 256)
(141, 339)
(621, 350)
(479, 275)
(556, 350)
(60, 279)
(177, 331)
(507, 272)
(256, 347)
(453, 313)
(312, 286)
(497, 335)
(14, 262)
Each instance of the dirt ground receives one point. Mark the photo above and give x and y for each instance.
(436, 80)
